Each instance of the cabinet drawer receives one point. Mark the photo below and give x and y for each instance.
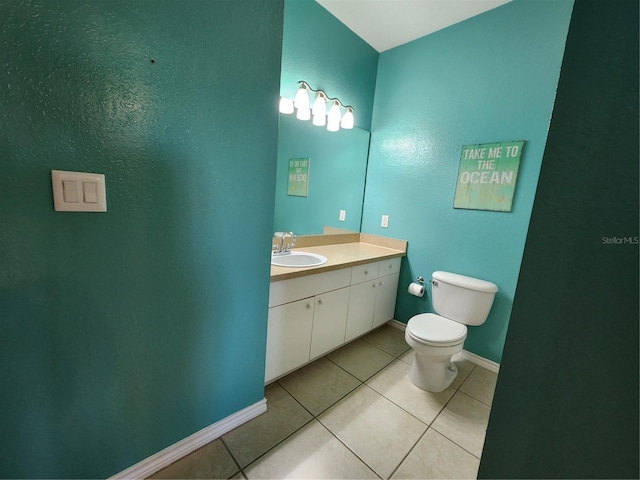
(365, 272)
(286, 291)
(389, 267)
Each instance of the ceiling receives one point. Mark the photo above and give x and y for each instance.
(385, 24)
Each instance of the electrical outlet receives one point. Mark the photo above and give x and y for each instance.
(385, 221)
(343, 214)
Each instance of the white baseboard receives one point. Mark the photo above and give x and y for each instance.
(481, 361)
(396, 324)
(472, 357)
(166, 457)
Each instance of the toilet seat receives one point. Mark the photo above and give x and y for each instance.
(436, 331)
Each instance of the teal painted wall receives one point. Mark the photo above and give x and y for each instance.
(566, 402)
(488, 79)
(338, 165)
(124, 332)
(319, 49)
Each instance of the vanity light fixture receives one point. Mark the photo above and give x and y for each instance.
(334, 120)
(286, 105)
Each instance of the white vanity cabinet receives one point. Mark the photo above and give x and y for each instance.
(307, 317)
(373, 296)
(386, 291)
(289, 329)
(314, 314)
(361, 301)
(329, 321)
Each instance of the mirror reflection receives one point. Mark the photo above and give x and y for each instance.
(336, 177)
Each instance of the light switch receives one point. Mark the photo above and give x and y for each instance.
(385, 221)
(90, 192)
(342, 216)
(70, 191)
(78, 192)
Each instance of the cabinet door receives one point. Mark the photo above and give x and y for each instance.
(361, 305)
(329, 321)
(386, 291)
(288, 337)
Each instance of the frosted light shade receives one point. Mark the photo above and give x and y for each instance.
(302, 98)
(319, 120)
(347, 119)
(334, 113)
(333, 126)
(319, 106)
(286, 105)
(303, 113)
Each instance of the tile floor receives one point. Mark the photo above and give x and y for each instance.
(355, 414)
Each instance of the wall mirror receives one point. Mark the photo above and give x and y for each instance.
(336, 177)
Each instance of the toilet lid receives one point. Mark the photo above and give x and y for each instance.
(432, 329)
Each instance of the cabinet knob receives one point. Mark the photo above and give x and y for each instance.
(374, 285)
(366, 272)
(320, 301)
(308, 305)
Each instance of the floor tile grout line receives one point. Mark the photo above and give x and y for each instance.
(327, 408)
(348, 448)
(476, 399)
(456, 443)
(445, 436)
(410, 450)
(274, 446)
(369, 377)
(231, 454)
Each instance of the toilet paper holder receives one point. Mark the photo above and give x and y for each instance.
(420, 280)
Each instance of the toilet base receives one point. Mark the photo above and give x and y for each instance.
(431, 373)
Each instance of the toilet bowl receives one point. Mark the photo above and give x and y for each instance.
(435, 338)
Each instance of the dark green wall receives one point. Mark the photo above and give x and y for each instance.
(566, 402)
(126, 331)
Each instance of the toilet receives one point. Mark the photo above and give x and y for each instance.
(459, 301)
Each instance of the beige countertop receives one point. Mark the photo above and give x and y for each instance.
(341, 255)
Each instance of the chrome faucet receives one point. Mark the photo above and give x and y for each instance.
(284, 247)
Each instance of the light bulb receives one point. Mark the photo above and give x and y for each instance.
(302, 97)
(303, 113)
(286, 105)
(347, 119)
(320, 105)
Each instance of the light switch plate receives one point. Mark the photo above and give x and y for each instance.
(78, 191)
(342, 216)
(385, 221)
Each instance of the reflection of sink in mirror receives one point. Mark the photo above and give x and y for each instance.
(297, 259)
(336, 172)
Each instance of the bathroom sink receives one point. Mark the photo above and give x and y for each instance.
(297, 259)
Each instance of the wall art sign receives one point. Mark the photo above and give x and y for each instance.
(487, 176)
(298, 177)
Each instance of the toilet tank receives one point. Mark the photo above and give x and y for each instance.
(464, 299)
